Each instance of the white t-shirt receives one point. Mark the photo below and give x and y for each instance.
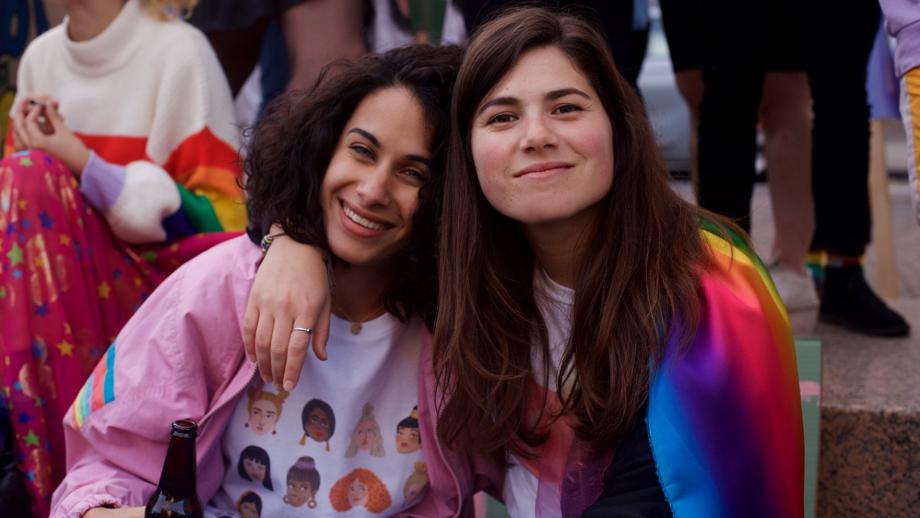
(555, 303)
(344, 442)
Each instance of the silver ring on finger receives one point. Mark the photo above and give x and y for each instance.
(308, 330)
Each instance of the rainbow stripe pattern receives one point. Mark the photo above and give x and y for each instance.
(98, 391)
(725, 418)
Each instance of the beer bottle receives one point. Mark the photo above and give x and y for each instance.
(176, 495)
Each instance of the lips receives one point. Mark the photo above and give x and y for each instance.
(543, 169)
(360, 223)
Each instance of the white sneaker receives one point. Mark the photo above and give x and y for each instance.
(796, 289)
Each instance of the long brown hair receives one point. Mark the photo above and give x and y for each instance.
(636, 275)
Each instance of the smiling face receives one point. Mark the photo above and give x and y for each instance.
(542, 143)
(255, 469)
(365, 434)
(370, 191)
(263, 416)
(357, 493)
(407, 440)
(298, 492)
(317, 425)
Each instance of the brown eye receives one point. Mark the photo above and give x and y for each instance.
(501, 118)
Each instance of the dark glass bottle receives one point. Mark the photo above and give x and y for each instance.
(176, 495)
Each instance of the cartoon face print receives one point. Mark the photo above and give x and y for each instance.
(416, 482)
(302, 483)
(407, 440)
(357, 493)
(360, 488)
(414, 488)
(318, 422)
(365, 434)
(264, 410)
(263, 416)
(249, 505)
(254, 469)
(254, 465)
(298, 492)
(317, 426)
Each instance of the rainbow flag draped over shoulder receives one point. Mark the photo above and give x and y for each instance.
(725, 418)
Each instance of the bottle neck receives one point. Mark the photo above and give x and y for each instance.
(178, 477)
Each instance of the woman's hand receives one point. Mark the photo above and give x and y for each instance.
(121, 512)
(291, 290)
(37, 124)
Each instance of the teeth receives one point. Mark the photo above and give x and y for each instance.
(364, 222)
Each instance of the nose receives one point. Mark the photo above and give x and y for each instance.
(538, 135)
(374, 188)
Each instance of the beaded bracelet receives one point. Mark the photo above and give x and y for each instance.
(268, 239)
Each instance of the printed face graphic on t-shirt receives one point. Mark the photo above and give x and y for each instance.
(365, 434)
(255, 469)
(298, 492)
(317, 425)
(413, 488)
(407, 440)
(357, 493)
(263, 416)
(249, 510)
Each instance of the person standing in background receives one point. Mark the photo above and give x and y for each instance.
(785, 112)
(903, 23)
(839, 44)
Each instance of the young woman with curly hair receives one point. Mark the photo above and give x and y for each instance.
(356, 165)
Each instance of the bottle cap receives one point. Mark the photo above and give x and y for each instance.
(185, 428)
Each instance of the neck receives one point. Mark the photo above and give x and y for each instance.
(88, 18)
(360, 291)
(558, 246)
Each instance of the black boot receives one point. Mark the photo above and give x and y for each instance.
(846, 300)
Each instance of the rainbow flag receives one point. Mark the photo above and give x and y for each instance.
(98, 390)
(725, 417)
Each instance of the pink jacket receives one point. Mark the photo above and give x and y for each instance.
(181, 356)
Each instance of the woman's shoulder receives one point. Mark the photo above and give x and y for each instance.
(734, 271)
(232, 262)
(39, 49)
(179, 41)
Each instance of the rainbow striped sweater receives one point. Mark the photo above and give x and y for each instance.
(150, 100)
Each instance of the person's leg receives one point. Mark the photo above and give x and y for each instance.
(318, 32)
(910, 114)
(727, 146)
(837, 67)
(786, 116)
(785, 113)
(66, 288)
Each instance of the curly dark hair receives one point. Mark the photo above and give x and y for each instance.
(293, 142)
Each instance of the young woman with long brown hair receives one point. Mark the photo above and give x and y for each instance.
(616, 350)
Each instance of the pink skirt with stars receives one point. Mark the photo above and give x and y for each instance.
(67, 286)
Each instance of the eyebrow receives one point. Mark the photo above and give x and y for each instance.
(366, 134)
(550, 96)
(370, 136)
